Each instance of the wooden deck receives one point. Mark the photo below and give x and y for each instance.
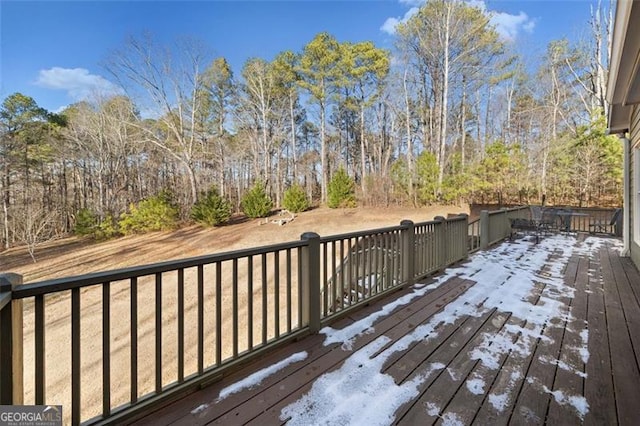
(445, 358)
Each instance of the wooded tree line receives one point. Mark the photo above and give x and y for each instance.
(450, 115)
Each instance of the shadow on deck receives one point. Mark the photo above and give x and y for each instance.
(522, 333)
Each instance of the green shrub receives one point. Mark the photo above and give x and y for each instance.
(153, 214)
(427, 172)
(256, 203)
(341, 191)
(86, 223)
(400, 178)
(107, 229)
(212, 209)
(295, 199)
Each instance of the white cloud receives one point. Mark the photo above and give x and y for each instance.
(529, 26)
(412, 3)
(390, 24)
(508, 26)
(79, 83)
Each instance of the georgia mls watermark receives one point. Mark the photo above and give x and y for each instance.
(30, 415)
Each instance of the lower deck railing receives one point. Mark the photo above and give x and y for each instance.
(110, 345)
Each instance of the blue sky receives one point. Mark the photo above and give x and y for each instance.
(53, 50)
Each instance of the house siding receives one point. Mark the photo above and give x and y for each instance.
(634, 139)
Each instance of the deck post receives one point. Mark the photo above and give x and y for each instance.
(441, 241)
(463, 242)
(408, 252)
(11, 354)
(484, 229)
(310, 281)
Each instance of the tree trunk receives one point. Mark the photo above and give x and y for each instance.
(323, 154)
(292, 117)
(362, 151)
(279, 180)
(407, 112)
(5, 210)
(193, 184)
(444, 103)
(463, 125)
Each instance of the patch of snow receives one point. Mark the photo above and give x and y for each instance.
(345, 396)
(452, 374)
(563, 365)
(506, 280)
(494, 346)
(584, 349)
(432, 409)
(529, 416)
(499, 401)
(584, 354)
(578, 402)
(476, 386)
(451, 419)
(434, 366)
(347, 335)
(257, 377)
(199, 408)
(513, 298)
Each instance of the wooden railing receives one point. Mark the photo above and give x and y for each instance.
(11, 380)
(213, 310)
(588, 215)
(357, 267)
(495, 226)
(145, 335)
(473, 233)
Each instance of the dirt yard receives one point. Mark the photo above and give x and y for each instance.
(75, 257)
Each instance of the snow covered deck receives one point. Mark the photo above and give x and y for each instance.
(522, 333)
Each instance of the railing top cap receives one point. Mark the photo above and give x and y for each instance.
(309, 235)
(9, 280)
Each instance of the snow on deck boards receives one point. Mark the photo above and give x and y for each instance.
(523, 333)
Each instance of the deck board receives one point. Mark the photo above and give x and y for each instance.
(394, 326)
(570, 367)
(537, 381)
(599, 389)
(426, 409)
(626, 376)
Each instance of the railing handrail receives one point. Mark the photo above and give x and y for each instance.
(507, 210)
(459, 217)
(357, 234)
(67, 283)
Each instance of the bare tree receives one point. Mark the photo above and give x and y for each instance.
(34, 227)
(170, 82)
(449, 39)
(101, 133)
